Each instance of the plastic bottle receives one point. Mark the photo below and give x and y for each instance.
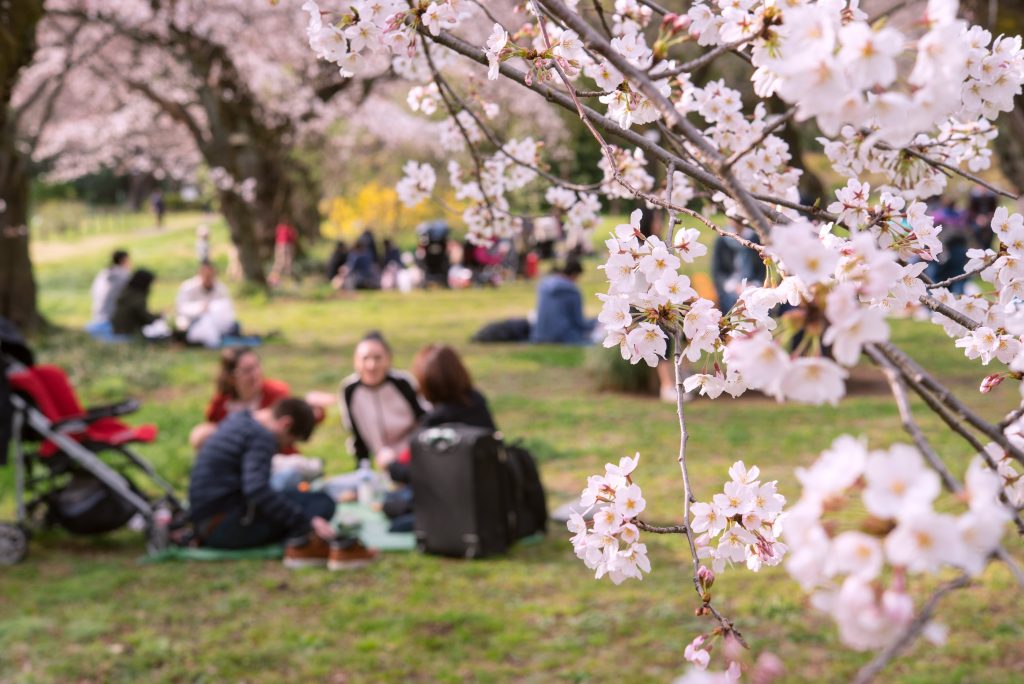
(365, 490)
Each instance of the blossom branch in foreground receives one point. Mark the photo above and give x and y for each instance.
(871, 670)
(950, 482)
(923, 379)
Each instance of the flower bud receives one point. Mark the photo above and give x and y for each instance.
(991, 382)
(706, 577)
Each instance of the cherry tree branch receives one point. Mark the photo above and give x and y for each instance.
(705, 59)
(656, 151)
(705, 151)
(899, 392)
(931, 161)
(493, 138)
(660, 529)
(768, 130)
(911, 370)
(896, 648)
(952, 314)
(688, 496)
(478, 166)
(965, 275)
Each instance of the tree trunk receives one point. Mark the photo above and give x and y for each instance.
(17, 284)
(244, 228)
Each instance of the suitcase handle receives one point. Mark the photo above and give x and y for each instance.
(440, 439)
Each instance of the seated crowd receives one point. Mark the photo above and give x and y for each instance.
(249, 486)
(203, 311)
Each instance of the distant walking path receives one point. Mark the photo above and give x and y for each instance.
(51, 251)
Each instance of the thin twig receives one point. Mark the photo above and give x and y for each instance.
(704, 59)
(965, 275)
(905, 363)
(661, 529)
(600, 15)
(895, 379)
(896, 648)
(939, 164)
(899, 393)
(949, 312)
(769, 129)
(1011, 417)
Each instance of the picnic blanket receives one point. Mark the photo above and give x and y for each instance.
(102, 332)
(372, 531)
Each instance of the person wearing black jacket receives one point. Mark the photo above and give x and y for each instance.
(131, 312)
(446, 384)
(231, 502)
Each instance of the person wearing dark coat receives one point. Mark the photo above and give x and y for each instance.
(233, 505)
(560, 318)
(338, 258)
(447, 385)
(131, 312)
(731, 264)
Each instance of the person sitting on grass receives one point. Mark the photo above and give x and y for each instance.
(233, 506)
(560, 317)
(447, 385)
(107, 286)
(204, 312)
(379, 405)
(240, 386)
(131, 314)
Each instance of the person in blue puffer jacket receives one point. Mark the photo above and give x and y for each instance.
(560, 318)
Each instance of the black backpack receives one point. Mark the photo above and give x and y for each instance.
(529, 508)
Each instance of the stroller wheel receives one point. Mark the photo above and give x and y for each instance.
(13, 544)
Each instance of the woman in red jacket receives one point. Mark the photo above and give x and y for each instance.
(240, 386)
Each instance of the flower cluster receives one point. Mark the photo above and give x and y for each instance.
(853, 282)
(744, 518)
(610, 543)
(826, 58)
(1000, 332)
(859, 573)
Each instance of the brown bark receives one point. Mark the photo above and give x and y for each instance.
(18, 23)
(243, 227)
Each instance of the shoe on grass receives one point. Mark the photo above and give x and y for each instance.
(308, 552)
(347, 554)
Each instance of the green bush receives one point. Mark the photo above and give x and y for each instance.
(614, 374)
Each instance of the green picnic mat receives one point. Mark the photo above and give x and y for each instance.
(373, 531)
(190, 553)
(373, 528)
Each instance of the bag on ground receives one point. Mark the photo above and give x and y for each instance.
(474, 496)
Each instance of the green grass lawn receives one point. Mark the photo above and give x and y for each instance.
(84, 610)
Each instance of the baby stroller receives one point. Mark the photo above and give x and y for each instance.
(433, 241)
(71, 465)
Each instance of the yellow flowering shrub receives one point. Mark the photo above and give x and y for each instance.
(377, 207)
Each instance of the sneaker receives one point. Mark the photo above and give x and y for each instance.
(310, 552)
(354, 555)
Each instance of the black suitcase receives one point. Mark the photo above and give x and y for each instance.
(461, 492)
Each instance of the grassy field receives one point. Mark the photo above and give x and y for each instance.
(84, 610)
